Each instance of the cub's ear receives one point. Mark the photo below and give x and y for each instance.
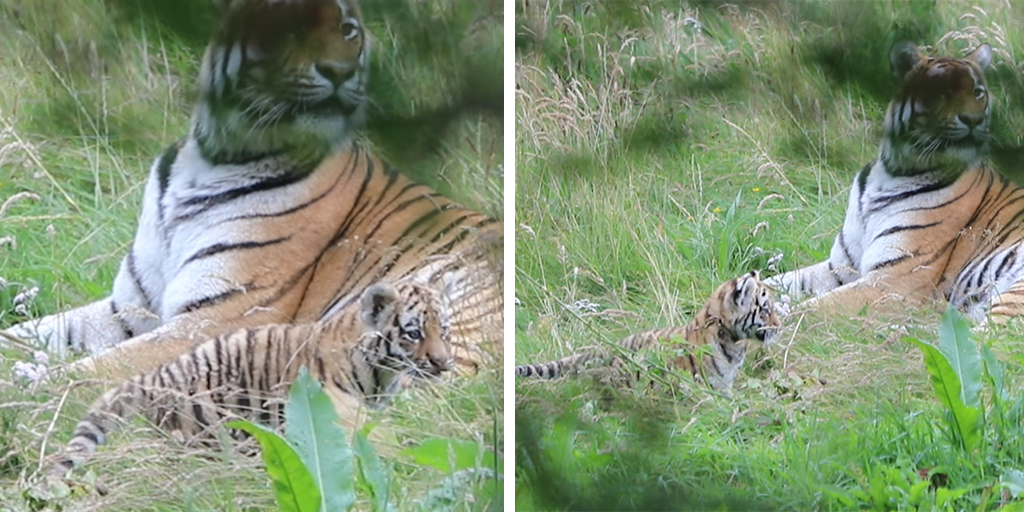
(746, 288)
(903, 57)
(982, 56)
(378, 305)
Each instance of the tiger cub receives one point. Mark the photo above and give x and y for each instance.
(739, 310)
(400, 332)
(929, 218)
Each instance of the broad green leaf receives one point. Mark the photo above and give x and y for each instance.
(294, 487)
(450, 455)
(312, 426)
(966, 420)
(955, 343)
(372, 473)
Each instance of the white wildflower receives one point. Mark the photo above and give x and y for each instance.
(528, 229)
(26, 295)
(518, 303)
(21, 309)
(50, 230)
(8, 240)
(41, 357)
(693, 23)
(774, 261)
(30, 371)
(782, 306)
(585, 306)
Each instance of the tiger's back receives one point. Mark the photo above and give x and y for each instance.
(715, 340)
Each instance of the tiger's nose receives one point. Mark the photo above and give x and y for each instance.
(971, 120)
(336, 72)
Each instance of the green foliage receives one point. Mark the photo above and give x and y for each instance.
(312, 427)
(295, 487)
(663, 147)
(311, 466)
(956, 372)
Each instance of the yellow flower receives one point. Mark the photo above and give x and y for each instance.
(717, 210)
(755, 189)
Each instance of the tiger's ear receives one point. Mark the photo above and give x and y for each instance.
(378, 305)
(903, 57)
(982, 56)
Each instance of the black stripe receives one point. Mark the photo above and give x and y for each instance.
(862, 180)
(207, 202)
(213, 300)
(886, 201)
(355, 212)
(219, 248)
(897, 229)
(163, 173)
(89, 434)
(1008, 260)
(293, 209)
(891, 262)
(133, 271)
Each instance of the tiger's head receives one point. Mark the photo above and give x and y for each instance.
(282, 77)
(745, 307)
(939, 114)
(414, 320)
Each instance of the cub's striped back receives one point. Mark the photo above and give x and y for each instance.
(399, 331)
(739, 310)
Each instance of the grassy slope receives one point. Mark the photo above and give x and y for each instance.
(656, 161)
(90, 93)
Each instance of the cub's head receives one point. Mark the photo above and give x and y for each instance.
(939, 114)
(282, 76)
(415, 320)
(745, 307)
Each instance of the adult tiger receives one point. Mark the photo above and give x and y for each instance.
(928, 218)
(715, 341)
(269, 212)
(399, 330)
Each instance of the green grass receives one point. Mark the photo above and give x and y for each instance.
(90, 93)
(655, 161)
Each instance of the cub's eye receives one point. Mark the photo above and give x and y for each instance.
(979, 93)
(349, 29)
(413, 335)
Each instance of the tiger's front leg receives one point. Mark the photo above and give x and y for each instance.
(95, 327)
(895, 290)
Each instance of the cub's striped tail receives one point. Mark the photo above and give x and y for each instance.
(556, 369)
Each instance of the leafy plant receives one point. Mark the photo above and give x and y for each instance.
(313, 469)
(959, 370)
(956, 373)
(311, 466)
